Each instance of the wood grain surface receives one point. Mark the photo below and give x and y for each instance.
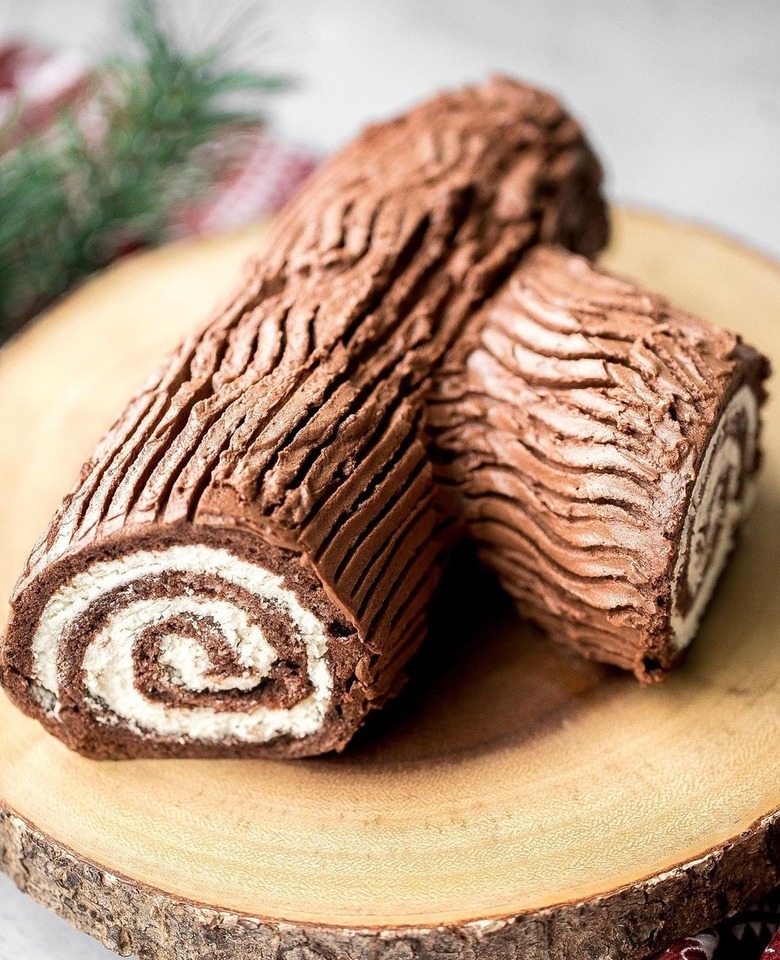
(521, 802)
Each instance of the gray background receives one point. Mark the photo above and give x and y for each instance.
(681, 98)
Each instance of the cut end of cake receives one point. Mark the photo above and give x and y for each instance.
(721, 497)
(185, 647)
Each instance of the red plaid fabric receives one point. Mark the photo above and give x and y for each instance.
(751, 935)
(259, 175)
(701, 947)
(263, 175)
(772, 952)
(35, 83)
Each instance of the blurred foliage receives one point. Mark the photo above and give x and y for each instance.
(106, 177)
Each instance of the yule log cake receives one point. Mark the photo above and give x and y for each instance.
(245, 564)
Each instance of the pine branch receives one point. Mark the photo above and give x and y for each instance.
(71, 199)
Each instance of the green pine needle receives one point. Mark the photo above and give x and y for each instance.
(68, 204)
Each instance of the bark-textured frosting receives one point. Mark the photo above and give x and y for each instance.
(600, 446)
(246, 561)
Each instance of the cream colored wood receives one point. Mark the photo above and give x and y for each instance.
(519, 780)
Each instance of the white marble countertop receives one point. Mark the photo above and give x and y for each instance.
(681, 98)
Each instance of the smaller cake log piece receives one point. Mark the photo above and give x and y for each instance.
(601, 445)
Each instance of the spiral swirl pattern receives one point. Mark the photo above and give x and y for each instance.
(720, 498)
(188, 642)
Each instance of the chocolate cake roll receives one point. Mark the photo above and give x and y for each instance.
(245, 564)
(601, 446)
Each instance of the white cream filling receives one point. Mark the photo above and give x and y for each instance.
(187, 664)
(701, 566)
(108, 666)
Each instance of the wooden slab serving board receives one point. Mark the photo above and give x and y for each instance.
(519, 803)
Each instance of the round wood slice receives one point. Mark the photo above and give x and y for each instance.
(514, 802)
